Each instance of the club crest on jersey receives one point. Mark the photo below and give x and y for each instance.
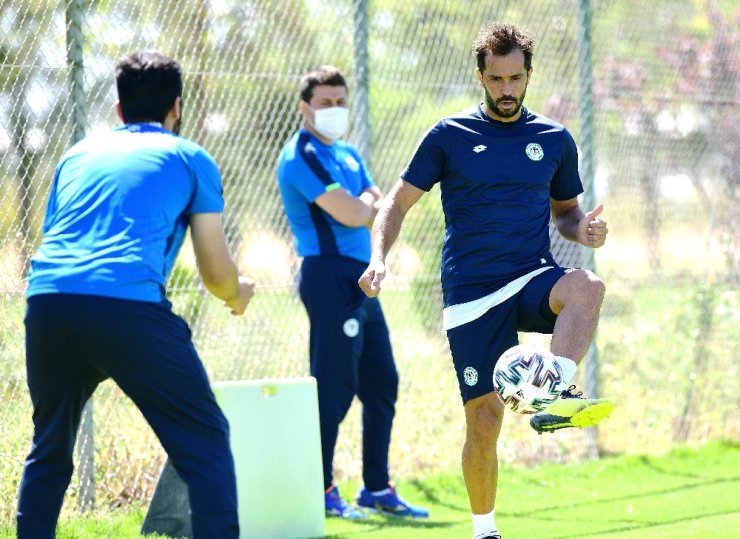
(353, 165)
(534, 151)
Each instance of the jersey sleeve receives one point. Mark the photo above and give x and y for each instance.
(208, 191)
(306, 174)
(428, 161)
(566, 183)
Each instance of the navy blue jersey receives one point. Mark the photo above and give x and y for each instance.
(496, 181)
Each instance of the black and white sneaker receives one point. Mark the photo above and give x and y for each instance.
(571, 410)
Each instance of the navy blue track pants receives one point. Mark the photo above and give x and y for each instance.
(74, 342)
(350, 354)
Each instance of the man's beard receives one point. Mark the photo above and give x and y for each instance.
(504, 113)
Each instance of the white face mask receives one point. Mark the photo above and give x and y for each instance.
(331, 123)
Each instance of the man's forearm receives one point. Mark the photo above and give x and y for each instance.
(225, 285)
(567, 223)
(386, 229)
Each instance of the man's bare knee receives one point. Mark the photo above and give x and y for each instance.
(579, 286)
(484, 417)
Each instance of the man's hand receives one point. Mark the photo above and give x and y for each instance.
(370, 280)
(592, 231)
(246, 290)
(376, 207)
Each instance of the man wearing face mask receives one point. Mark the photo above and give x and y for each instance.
(330, 201)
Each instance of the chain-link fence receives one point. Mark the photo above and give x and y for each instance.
(651, 96)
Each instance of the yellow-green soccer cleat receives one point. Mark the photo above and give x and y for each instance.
(571, 410)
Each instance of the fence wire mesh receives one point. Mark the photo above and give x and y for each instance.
(665, 141)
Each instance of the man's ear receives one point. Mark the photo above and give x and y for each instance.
(479, 75)
(173, 119)
(119, 112)
(175, 110)
(305, 109)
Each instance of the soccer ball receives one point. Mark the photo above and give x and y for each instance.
(528, 378)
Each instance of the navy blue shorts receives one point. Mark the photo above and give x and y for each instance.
(477, 345)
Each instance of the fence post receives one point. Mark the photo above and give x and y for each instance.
(74, 37)
(586, 117)
(362, 72)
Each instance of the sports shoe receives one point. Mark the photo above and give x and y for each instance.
(390, 504)
(336, 506)
(571, 410)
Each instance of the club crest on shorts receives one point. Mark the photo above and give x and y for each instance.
(470, 375)
(534, 151)
(351, 327)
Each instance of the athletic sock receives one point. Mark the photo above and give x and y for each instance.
(483, 525)
(569, 368)
(381, 492)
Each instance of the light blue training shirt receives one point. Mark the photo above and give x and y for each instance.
(308, 168)
(118, 212)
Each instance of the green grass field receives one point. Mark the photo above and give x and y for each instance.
(688, 493)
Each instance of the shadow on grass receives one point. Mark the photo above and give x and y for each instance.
(644, 525)
(378, 522)
(625, 525)
(429, 494)
(629, 496)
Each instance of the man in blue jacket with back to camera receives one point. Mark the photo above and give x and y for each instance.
(118, 210)
(330, 201)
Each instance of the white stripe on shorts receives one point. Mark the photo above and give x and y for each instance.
(462, 313)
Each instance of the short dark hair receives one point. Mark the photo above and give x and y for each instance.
(326, 75)
(501, 38)
(148, 83)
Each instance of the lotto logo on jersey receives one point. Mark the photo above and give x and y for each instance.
(534, 151)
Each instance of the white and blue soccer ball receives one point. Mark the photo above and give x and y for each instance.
(528, 378)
